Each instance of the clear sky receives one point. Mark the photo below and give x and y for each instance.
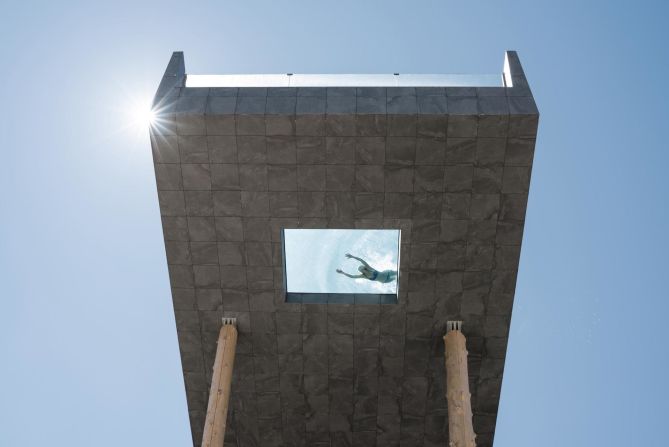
(88, 348)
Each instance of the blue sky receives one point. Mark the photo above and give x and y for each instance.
(88, 348)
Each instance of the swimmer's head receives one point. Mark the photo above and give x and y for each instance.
(361, 268)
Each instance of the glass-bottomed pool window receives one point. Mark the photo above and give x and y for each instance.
(341, 266)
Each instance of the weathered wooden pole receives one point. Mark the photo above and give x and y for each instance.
(219, 394)
(460, 428)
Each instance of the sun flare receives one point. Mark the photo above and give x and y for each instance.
(142, 115)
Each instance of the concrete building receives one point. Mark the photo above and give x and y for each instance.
(244, 157)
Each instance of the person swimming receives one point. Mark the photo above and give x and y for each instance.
(369, 272)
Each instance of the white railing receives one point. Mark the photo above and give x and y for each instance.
(345, 80)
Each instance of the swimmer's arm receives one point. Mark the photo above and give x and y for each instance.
(362, 261)
(350, 276)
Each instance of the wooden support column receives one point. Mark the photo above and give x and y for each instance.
(460, 428)
(219, 394)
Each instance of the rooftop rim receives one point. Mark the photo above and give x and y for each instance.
(510, 82)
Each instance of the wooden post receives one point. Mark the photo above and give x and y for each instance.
(460, 428)
(219, 394)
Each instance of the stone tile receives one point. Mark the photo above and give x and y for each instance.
(370, 150)
(487, 179)
(519, 151)
(258, 253)
(283, 204)
(340, 150)
(368, 206)
(204, 252)
(400, 150)
(183, 299)
(220, 125)
(460, 150)
(282, 178)
(513, 207)
(482, 231)
(340, 206)
(255, 204)
(451, 257)
(310, 150)
(371, 105)
(250, 105)
(430, 151)
(397, 205)
(427, 206)
(371, 125)
(311, 204)
(199, 203)
(516, 179)
(431, 126)
(310, 105)
(225, 176)
(281, 149)
(201, 229)
(175, 228)
(222, 149)
(232, 276)
(311, 178)
(208, 299)
(193, 149)
(479, 257)
(458, 178)
(251, 149)
(509, 233)
(168, 177)
(399, 179)
(280, 105)
(490, 151)
(227, 203)
(340, 125)
(429, 178)
(484, 206)
(369, 178)
(401, 125)
(206, 276)
(177, 252)
(340, 105)
(165, 149)
(493, 126)
(425, 230)
(196, 176)
(463, 126)
(310, 125)
(402, 105)
(454, 230)
(231, 253)
(340, 178)
(432, 105)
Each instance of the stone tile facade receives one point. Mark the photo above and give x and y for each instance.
(450, 167)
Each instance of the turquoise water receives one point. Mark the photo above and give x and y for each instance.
(312, 258)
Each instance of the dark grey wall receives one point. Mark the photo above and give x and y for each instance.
(450, 167)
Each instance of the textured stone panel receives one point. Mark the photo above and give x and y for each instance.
(450, 167)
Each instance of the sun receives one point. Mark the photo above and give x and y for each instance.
(141, 114)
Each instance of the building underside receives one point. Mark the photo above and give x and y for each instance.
(449, 166)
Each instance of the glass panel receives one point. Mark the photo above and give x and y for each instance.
(345, 80)
(341, 261)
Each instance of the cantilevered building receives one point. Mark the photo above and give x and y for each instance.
(278, 346)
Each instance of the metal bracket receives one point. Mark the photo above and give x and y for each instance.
(453, 326)
(232, 321)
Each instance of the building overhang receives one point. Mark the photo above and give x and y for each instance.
(448, 165)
